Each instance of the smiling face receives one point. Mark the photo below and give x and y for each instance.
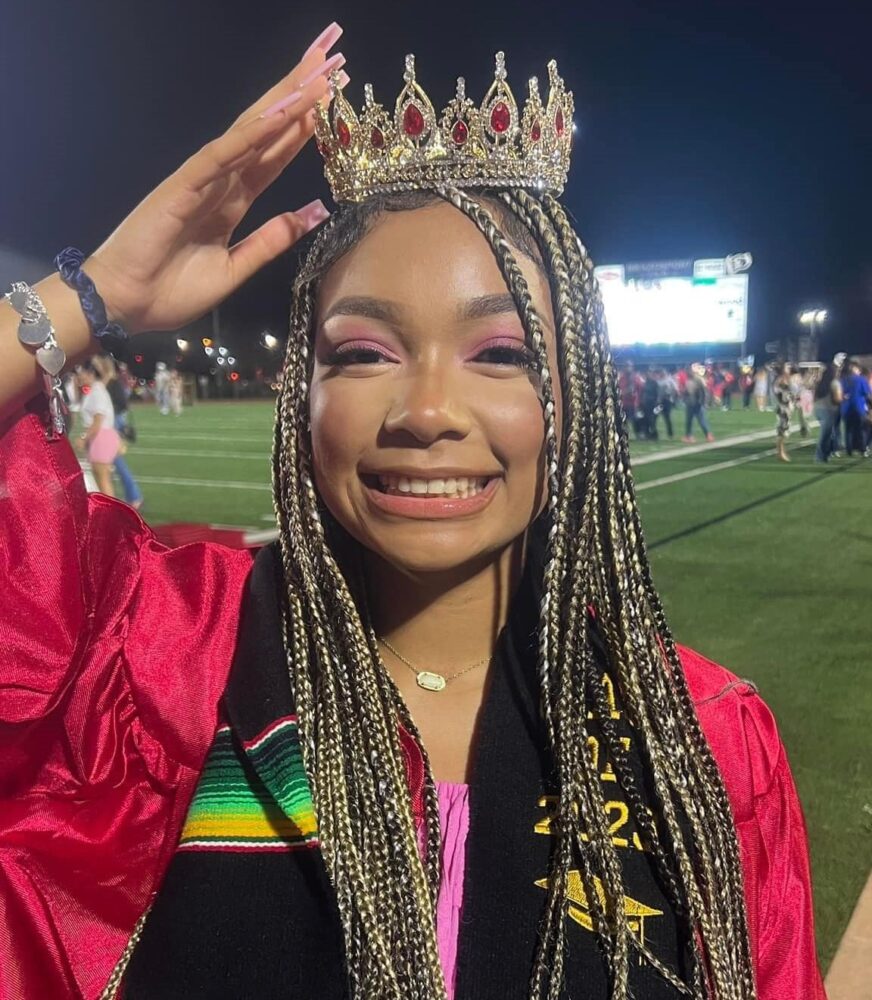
(427, 429)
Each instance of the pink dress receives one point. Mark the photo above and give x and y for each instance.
(454, 820)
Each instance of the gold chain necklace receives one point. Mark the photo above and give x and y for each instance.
(429, 680)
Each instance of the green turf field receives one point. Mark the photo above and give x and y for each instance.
(763, 566)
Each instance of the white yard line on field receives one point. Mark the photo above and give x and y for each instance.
(704, 470)
(208, 483)
(218, 438)
(259, 455)
(697, 449)
(650, 485)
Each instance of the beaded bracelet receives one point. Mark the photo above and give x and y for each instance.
(35, 331)
(69, 264)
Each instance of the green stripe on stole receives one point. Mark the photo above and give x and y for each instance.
(252, 796)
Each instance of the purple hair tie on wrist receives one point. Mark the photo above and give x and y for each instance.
(69, 264)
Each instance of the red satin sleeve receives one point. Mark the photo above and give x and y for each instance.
(744, 738)
(114, 653)
(775, 859)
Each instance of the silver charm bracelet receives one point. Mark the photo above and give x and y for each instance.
(36, 332)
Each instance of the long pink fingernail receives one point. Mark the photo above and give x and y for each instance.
(344, 79)
(334, 62)
(313, 214)
(326, 40)
(280, 105)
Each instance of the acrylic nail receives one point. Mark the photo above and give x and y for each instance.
(313, 214)
(282, 103)
(334, 62)
(326, 40)
(344, 79)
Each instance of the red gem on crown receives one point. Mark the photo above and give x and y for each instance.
(536, 132)
(558, 122)
(377, 138)
(460, 133)
(413, 120)
(500, 118)
(343, 133)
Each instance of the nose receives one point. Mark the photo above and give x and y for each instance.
(428, 405)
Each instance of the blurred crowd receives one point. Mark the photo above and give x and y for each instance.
(838, 396)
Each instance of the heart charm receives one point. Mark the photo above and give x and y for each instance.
(34, 334)
(51, 359)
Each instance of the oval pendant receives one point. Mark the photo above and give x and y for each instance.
(430, 681)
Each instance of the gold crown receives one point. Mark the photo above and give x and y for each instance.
(493, 145)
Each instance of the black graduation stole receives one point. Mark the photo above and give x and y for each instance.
(247, 909)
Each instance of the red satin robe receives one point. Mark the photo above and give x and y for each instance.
(114, 652)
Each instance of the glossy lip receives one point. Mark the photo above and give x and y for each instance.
(427, 508)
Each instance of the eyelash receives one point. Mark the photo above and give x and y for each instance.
(520, 357)
(355, 356)
(499, 354)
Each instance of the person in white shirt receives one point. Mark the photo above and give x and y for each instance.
(100, 440)
(162, 387)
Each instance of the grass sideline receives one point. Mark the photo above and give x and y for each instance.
(763, 567)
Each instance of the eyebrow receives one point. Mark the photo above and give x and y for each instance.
(387, 312)
(364, 305)
(488, 305)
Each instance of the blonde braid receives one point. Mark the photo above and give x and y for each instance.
(349, 709)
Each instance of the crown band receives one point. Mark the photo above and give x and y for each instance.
(493, 144)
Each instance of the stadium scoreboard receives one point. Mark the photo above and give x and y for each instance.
(676, 301)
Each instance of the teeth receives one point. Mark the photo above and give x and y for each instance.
(460, 487)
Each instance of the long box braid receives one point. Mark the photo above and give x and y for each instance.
(349, 708)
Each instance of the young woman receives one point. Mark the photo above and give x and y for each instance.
(827, 401)
(99, 439)
(439, 740)
(118, 393)
(785, 403)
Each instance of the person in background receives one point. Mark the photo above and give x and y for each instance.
(630, 388)
(650, 400)
(746, 383)
(785, 400)
(855, 408)
(99, 440)
(695, 397)
(119, 394)
(712, 386)
(827, 401)
(175, 393)
(727, 389)
(162, 387)
(668, 398)
(761, 388)
(867, 424)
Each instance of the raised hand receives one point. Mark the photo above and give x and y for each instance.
(171, 259)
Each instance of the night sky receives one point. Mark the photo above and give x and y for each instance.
(703, 128)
